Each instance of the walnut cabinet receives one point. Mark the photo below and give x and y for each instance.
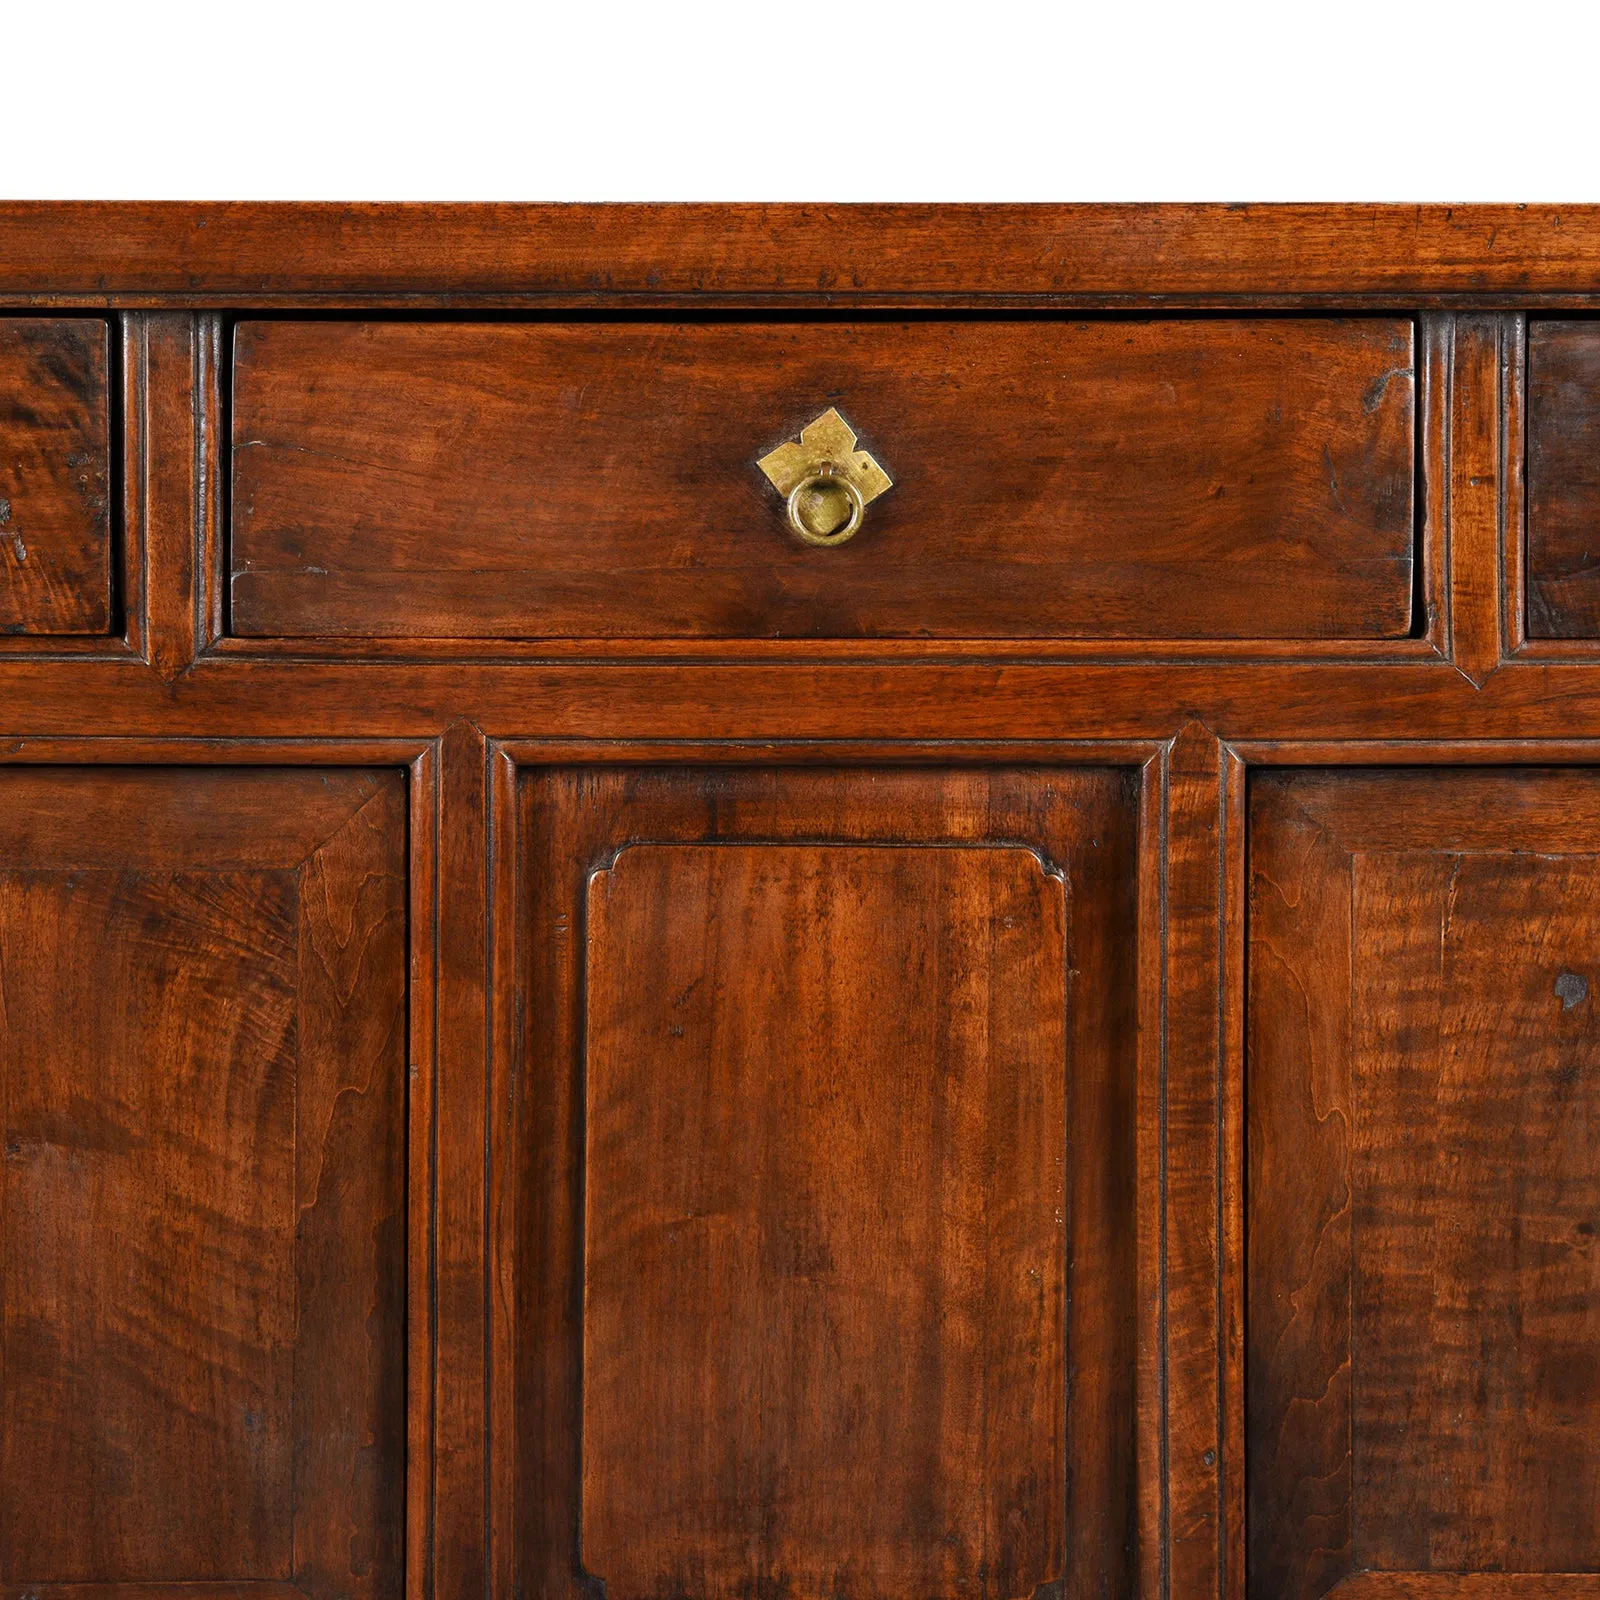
(766, 903)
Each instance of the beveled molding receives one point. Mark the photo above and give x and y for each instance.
(517, 1542)
(1470, 275)
(1085, 255)
(1470, 536)
(429, 771)
(464, 867)
(171, 581)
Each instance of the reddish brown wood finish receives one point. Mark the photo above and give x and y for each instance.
(1000, 1525)
(55, 476)
(824, 1326)
(1145, 479)
(1478, 632)
(448, 1233)
(1563, 480)
(244, 254)
(1422, 1317)
(202, 1217)
(462, 1133)
(1199, 1001)
(173, 366)
(1469, 1586)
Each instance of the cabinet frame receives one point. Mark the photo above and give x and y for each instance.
(465, 719)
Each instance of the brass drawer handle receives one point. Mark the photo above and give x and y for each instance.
(827, 484)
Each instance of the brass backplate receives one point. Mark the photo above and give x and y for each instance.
(829, 441)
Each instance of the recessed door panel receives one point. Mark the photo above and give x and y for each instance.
(202, 1239)
(826, 1247)
(1423, 1363)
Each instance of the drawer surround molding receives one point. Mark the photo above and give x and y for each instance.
(476, 727)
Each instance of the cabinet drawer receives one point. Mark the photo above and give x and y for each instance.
(55, 475)
(1163, 479)
(1563, 480)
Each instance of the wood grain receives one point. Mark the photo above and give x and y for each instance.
(1477, 1160)
(1374, 1102)
(151, 819)
(201, 1356)
(1423, 1394)
(147, 1401)
(173, 406)
(264, 1589)
(573, 820)
(462, 1441)
(946, 700)
(1476, 495)
(1195, 1425)
(825, 1222)
(1563, 403)
(55, 476)
(350, 1186)
(245, 252)
(1469, 1586)
(1087, 480)
(1298, 1218)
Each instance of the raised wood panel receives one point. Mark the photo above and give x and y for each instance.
(825, 1220)
(1381, 1274)
(1159, 479)
(202, 1229)
(814, 1077)
(55, 476)
(1423, 1315)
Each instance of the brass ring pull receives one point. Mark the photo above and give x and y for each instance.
(825, 507)
(826, 483)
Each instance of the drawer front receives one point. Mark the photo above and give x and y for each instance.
(1563, 480)
(55, 476)
(1168, 479)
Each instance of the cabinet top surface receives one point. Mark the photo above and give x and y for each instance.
(818, 255)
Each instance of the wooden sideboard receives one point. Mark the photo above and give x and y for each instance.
(799, 903)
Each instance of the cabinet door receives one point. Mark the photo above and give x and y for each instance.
(824, 1255)
(1423, 1363)
(202, 1233)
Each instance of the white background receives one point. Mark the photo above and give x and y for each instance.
(800, 100)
